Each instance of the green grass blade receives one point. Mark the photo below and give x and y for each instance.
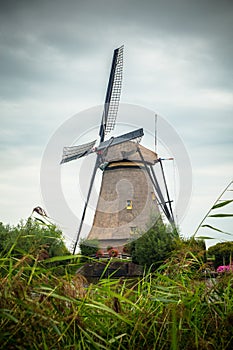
(220, 215)
(216, 229)
(222, 204)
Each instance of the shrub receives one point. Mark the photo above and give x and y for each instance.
(154, 246)
(32, 238)
(89, 247)
(223, 253)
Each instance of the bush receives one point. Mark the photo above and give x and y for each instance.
(32, 238)
(223, 253)
(154, 246)
(89, 247)
(189, 256)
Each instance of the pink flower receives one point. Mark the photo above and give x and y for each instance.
(224, 268)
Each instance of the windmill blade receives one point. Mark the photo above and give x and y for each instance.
(157, 189)
(167, 192)
(130, 136)
(113, 94)
(168, 213)
(86, 203)
(75, 152)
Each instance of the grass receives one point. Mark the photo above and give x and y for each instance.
(162, 310)
(45, 305)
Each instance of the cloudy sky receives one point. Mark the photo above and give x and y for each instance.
(55, 59)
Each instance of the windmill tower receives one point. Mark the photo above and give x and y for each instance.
(130, 193)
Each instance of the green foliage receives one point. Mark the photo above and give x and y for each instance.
(88, 247)
(41, 311)
(191, 247)
(4, 236)
(223, 253)
(33, 239)
(171, 308)
(188, 258)
(154, 246)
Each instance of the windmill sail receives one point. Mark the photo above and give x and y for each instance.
(75, 152)
(120, 159)
(130, 136)
(86, 204)
(107, 124)
(112, 99)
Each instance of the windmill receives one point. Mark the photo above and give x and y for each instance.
(130, 191)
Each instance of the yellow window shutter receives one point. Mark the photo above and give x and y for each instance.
(129, 204)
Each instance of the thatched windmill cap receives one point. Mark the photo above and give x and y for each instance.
(129, 151)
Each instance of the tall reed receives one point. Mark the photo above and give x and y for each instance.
(168, 309)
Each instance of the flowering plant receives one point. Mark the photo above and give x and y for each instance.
(225, 268)
(109, 248)
(113, 252)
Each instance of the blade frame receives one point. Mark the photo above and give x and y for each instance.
(75, 152)
(112, 98)
(130, 136)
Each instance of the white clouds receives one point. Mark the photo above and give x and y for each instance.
(216, 98)
(208, 99)
(19, 186)
(181, 71)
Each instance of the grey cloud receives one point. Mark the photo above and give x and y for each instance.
(74, 25)
(55, 57)
(41, 40)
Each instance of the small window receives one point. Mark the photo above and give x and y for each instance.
(133, 230)
(129, 204)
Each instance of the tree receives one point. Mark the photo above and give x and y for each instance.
(154, 246)
(34, 238)
(4, 234)
(223, 253)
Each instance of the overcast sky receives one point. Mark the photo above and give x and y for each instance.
(55, 59)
